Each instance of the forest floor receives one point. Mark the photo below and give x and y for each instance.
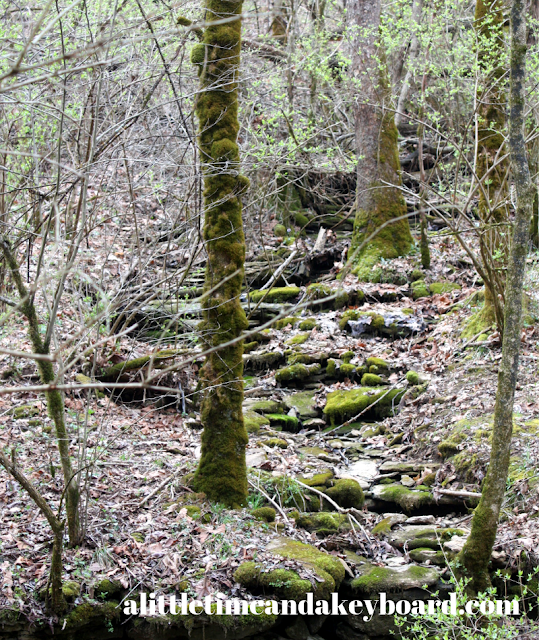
(145, 528)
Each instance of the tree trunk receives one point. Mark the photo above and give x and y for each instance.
(492, 172)
(55, 400)
(476, 553)
(222, 473)
(377, 201)
(417, 9)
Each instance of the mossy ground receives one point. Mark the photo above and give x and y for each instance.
(345, 404)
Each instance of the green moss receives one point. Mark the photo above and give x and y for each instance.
(253, 421)
(347, 356)
(323, 479)
(71, 589)
(405, 498)
(479, 322)
(284, 322)
(346, 371)
(266, 406)
(443, 287)
(331, 368)
(342, 405)
(300, 338)
(107, 588)
(278, 294)
(307, 325)
(275, 442)
(300, 219)
(318, 291)
(303, 402)
(267, 514)
(419, 290)
(279, 230)
(24, 411)
(371, 380)
(249, 346)
(412, 377)
(323, 523)
(347, 493)
(451, 445)
(416, 275)
(377, 362)
(382, 528)
(286, 422)
(297, 372)
(351, 314)
(383, 579)
(92, 614)
(423, 554)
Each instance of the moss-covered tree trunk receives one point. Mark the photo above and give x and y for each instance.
(221, 473)
(476, 553)
(378, 198)
(492, 170)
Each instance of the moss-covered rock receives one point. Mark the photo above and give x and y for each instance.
(300, 338)
(413, 377)
(319, 480)
(303, 403)
(323, 523)
(24, 411)
(95, 615)
(371, 380)
(407, 499)
(375, 579)
(286, 422)
(267, 514)
(380, 363)
(275, 442)
(342, 405)
(420, 290)
(347, 493)
(279, 230)
(416, 275)
(297, 373)
(278, 294)
(253, 421)
(431, 556)
(444, 287)
(264, 406)
(285, 322)
(451, 445)
(106, 588)
(307, 325)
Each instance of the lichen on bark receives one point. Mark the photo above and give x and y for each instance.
(221, 473)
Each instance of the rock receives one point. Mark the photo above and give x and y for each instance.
(277, 294)
(444, 287)
(285, 422)
(417, 536)
(388, 323)
(347, 494)
(298, 630)
(24, 411)
(428, 519)
(375, 579)
(407, 481)
(263, 406)
(390, 520)
(267, 514)
(345, 632)
(297, 373)
(255, 458)
(275, 442)
(315, 622)
(253, 421)
(431, 556)
(456, 544)
(324, 523)
(342, 405)
(303, 403)
(407, 499)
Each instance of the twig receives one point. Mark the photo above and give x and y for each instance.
(160, 486)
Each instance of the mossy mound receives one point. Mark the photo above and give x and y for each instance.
(279, 231)
(24, 411)
(413, 377)
(443, 287)
(451, 445)
(318, 291)
(275, 442)
(253, 421)
(416, 275)
(278, 294)
(297, 373)
(267, 514)
(380, 363)
(106, 588)
(420, 290)
(318, 480)
(371, 380)
(347, 493)
(303, 403)
(264, 406)
(300, 338)
(285, 322)
(407, 499)
(93, 614)
(428, 555)
(285, 422)
(307, 325)
(323, 523)
(329, 568)
(345, 404)
(375, 579)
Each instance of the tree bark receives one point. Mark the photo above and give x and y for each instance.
(378, 198)
(476, 553)
(222, 473)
